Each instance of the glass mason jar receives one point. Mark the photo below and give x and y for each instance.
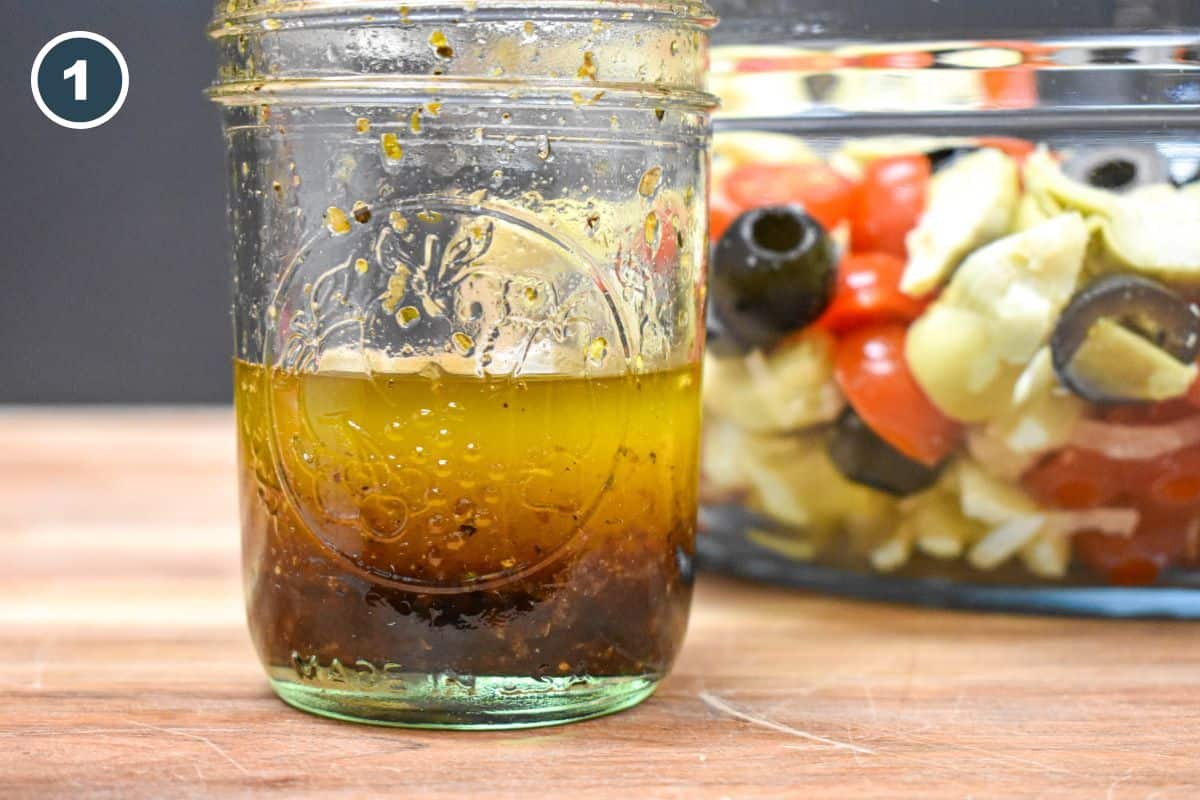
(952, 354)
(470, 247)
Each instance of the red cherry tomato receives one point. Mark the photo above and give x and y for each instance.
(868, 291)
(1162, 538)
(1150, 413)
(722, 211)
(666, 257)
(825, 194)
(1014, 87)
(1075, 478)
(1193, 395)
(1169, 482)
(870, 368)
(663, 253)
(890, 202)
(903, 59)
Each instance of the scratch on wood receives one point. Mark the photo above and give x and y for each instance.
(718, 704)
(1112, 789)
(197, 737)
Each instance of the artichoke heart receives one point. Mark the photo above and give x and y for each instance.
(970, 347)
(971, 202)
(1149, 230)
(787, 390)
(1153, 230)
(1117, 362)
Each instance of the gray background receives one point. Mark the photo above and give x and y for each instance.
(113, 271)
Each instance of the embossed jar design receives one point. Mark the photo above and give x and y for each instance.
(470, 251)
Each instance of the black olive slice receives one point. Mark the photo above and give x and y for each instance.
(863, 457)
(1143, 306)
(1118, 169)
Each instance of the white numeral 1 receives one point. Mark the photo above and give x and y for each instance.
(78, 72)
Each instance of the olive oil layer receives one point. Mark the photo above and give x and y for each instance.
(435, 523)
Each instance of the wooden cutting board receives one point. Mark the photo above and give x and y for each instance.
(127, 671)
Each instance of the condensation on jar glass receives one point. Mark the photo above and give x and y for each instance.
(470, 243)
(954, 325)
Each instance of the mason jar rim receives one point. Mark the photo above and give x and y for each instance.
(241, 16)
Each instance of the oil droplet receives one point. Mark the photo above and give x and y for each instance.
(597, 351)
(398, 222)
(528, 28)
(650, 181)
(651, 228)
(361, 266)
(674, 47)
(362, 125)
(361, 212)
(588, 69)
(415, 121)
(597, 25)
(433, 108)
(392, 150)
(463, 343)
(408, 316)
(426, 215)
(272, 24)
(659, 113)
(543, 147)
(531, 294)
(440, 45)
(464, 507)
(508, 563)
(277, 187)
(337, 221)
(386, 517)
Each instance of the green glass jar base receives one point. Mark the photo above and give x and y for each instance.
(483, 703)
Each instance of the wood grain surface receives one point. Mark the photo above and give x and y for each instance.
(127, 671)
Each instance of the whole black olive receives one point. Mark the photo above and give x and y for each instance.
(719, 341)
(945, 156)
(1118, 169)
(1143, 306)
(774, 272)
(863, 457)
